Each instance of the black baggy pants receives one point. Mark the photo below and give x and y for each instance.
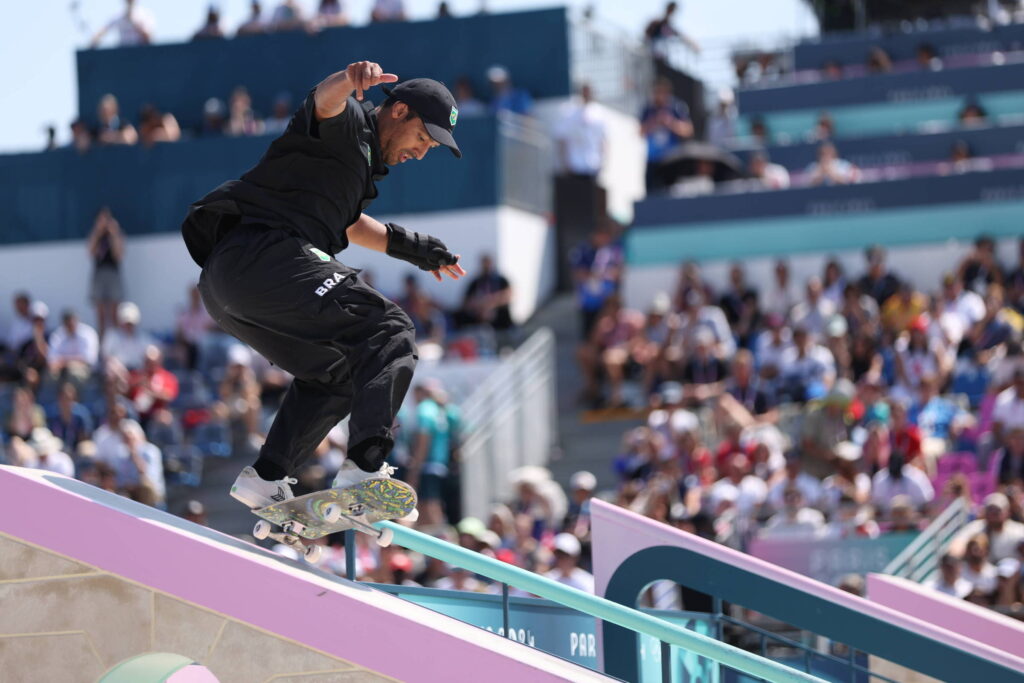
(350, 349)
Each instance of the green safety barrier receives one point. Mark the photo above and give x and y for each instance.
(609, 611)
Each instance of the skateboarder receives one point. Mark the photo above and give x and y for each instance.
(265, 241)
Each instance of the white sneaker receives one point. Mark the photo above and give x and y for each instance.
(256, 492)
(350, 474)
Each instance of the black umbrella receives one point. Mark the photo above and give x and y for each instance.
(684, 161)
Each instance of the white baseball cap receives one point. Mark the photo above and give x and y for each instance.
(37, 309)
(583, 480)
(568, 544)
(128, 312)
(239, 355)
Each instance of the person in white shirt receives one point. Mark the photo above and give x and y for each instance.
(134, 27)
(795, 478)
(20, 330)
(900, 479)
(919, 356)
(829, 169)
(49, 455)
(721, 126)
(963, 302)
(807, 367)
(582, 139)
(74, 347)
(566, 569)
(779, 296)
(977, 568)
(1008, 413)
(738, 487)
(696, 316)
(121, 443)
(772, 345)
(127, 343)
(766, 174)
(1003, 533)
(812, 313)
(949, 580)
(794, 519)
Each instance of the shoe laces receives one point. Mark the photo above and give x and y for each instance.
(387, 470)
(289, 480)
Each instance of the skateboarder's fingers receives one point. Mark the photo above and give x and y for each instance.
(437, 275)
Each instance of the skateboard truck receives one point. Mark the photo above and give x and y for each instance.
(290, 530)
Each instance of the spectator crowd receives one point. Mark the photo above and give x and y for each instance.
(851, 406)
(132, 409)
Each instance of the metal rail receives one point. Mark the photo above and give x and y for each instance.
(509, 422)
(919, 559)
(632, 619)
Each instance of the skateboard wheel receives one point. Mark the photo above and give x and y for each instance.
(313, 553)
(385, 538)
(261, 530)
(332, 513)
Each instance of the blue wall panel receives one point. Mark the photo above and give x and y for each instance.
(179, 78)
(54, 195)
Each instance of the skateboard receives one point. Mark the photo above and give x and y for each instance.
(326, 512)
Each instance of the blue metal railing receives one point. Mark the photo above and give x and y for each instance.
(600, 608)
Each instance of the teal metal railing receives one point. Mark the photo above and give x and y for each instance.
(920, 559)
(600, 608)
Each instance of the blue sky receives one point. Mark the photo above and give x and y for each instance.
(38, 39)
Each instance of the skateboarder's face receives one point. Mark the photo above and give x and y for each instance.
(403, 136)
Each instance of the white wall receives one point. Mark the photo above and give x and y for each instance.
(921, 264)
(623, 173)
(158, 271)
(526, 256)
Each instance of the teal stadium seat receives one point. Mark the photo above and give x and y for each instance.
(879, 118)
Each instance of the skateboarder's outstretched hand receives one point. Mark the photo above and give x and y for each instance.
(364, 75)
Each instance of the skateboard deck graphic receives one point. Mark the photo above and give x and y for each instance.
(371, 501)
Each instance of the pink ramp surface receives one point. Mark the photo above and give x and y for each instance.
(618, 533)
(367, 627)
(959, 616)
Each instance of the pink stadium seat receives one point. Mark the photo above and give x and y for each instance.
(954, 463)
(982, 484)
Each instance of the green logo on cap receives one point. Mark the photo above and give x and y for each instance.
(454, 115)
(321, 255)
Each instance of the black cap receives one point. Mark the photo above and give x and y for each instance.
(434, 104)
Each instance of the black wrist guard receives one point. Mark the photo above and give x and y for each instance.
(423, 251)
